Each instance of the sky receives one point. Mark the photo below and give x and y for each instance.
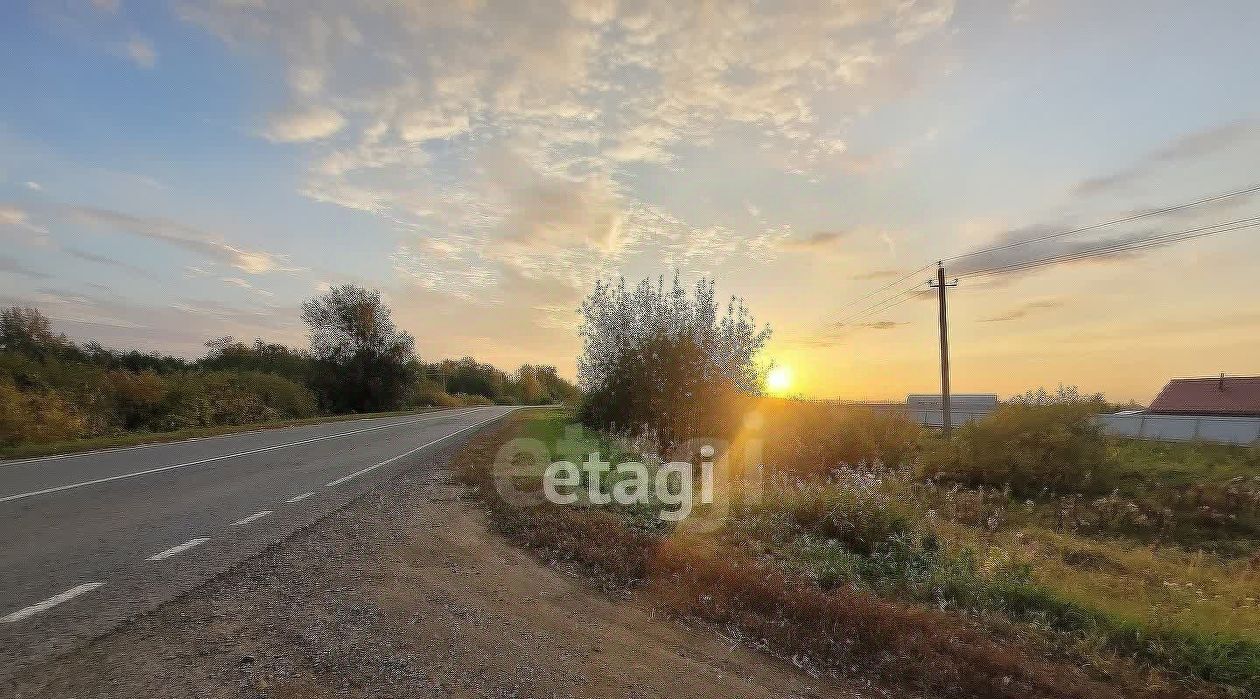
(174, 172)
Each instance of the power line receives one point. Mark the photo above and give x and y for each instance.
(888, 304)
(896, 299)
(1124, 219)
(1116, 247)
(884, 287)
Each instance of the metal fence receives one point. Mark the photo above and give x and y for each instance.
(1183, 428)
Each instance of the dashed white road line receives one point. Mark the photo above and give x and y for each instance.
(49, 603)
(221, 457)
(299, 498)
(176, 550)
(252, 518)
(409, 452)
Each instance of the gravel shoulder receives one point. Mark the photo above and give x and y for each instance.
(407, 593)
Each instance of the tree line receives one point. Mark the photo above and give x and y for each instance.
(359, 361)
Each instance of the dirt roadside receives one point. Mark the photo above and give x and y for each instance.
(406, 593)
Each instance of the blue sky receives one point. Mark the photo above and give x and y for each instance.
(171, 172)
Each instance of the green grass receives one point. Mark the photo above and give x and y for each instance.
(131, 439)
(1138, 466)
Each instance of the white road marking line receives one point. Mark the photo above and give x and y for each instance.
(299, 498)
(252, 518)
(409, 452)
(50, 602)
(151, 445)
(260, 450)
(176, 550)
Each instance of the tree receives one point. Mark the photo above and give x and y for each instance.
(662, 364)
(365, 359)
(29, 332)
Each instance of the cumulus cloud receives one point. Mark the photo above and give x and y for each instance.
(422, 96)
(305, 124)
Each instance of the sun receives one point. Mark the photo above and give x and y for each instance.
(779, 379)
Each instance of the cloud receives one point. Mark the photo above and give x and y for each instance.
(877, 274)
(1057, 244)
(180, 326)
(140, 51)
(838, 333)
(816, 241)
(1191, 146)
(881, 325)
(1024, 310)
(33, 186)
(421, 97)
(185, 237)
(15, 221)
(14, 217)
(308, 124)
(12, 266)
(107, 261)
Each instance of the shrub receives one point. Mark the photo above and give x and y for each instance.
(1031, 448)
(812, 439)
(36, 417)
(204, 399)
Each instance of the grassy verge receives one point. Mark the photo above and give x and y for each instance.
(877, 613)
(131, 439)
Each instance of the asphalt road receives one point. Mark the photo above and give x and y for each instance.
(89, 541)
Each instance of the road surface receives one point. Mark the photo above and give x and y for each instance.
(88, 541)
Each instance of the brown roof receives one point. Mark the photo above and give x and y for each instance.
(1241, 396)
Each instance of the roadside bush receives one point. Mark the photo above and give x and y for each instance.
(1031, 448)
(812, 439)
(36, 417)
(204, 399)
(137, 397)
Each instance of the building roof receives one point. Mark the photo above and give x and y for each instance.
(1230, 395)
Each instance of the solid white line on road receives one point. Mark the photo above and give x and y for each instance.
(49, 603)
(229, 435)
(260, 450)
(252, 518)
(176, 550)
(409, 452)
(299, 498)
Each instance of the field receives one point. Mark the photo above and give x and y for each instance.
(872, 550)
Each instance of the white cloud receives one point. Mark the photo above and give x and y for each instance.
(141, 52)
(16, 221)
(502, 133)
(185, 237)
(307, 124)
(33, 186)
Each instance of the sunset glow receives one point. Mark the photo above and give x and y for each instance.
(779, 379)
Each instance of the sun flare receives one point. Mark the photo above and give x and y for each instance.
(779, 379)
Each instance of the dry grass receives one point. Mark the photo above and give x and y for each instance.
(844, 630)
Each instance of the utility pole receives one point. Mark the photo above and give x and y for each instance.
(940, 285)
